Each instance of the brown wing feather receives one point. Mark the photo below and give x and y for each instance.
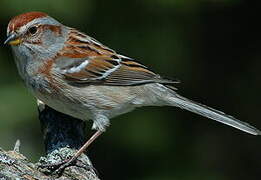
(125, 74)
(94, 71)
(104, 65)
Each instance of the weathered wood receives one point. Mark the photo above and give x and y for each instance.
(62, 136)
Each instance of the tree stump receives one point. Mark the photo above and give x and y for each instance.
(62, 135)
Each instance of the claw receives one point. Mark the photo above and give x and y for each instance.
(59, 167)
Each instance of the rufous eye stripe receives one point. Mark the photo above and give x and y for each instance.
(55, 29)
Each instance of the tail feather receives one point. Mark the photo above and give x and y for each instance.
(211, 113)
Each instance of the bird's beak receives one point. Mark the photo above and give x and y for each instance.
(12, 39)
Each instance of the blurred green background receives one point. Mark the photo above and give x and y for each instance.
(212, 46)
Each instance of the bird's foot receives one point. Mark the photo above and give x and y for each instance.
(59, 167)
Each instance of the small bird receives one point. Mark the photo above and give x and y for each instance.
(77, 75)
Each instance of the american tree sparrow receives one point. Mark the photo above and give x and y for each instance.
(75, 74)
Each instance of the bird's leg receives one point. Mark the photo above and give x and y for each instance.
(84, 147)
(60, 166)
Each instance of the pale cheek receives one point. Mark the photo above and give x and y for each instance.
(49, 38)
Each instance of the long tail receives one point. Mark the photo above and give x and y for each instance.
(184, 103)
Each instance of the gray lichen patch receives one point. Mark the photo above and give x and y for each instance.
(6, 159)
(15, 166)
(62, 154)
(57, 156)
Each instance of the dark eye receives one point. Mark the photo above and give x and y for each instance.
(32, 30)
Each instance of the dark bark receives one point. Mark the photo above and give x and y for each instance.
(63, 135)
(60, 130)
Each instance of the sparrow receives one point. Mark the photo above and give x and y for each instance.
(77, 75)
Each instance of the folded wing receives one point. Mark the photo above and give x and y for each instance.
(115, 71)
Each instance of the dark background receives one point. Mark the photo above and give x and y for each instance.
(212, 46)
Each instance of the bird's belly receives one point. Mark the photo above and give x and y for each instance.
(86, 102)
(66, 106)
(58, 99)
